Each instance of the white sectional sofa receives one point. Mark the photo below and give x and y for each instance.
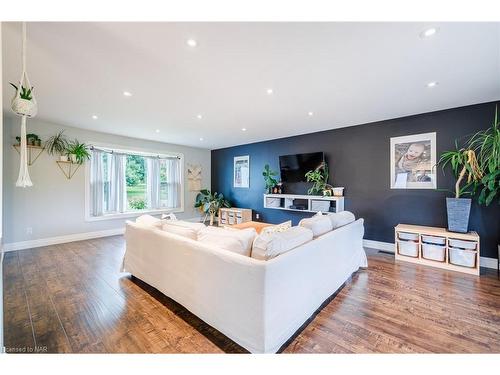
(259, 304)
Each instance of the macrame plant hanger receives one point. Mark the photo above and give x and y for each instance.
(25, 108)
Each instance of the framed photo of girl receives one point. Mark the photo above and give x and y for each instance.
(413, 160)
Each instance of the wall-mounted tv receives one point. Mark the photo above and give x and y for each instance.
(294, 167)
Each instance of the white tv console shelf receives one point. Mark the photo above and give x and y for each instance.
(311, 203)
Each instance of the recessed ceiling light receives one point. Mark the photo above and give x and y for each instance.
(191, 42)
(432, 84)
(199, 117)
(310, 113)
(269, 91)
(428, 32)
(243, 129)
(94, 117)
(201, 139)
(127, 93)
(157, 130)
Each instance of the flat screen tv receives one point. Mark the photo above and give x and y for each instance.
(294, 167)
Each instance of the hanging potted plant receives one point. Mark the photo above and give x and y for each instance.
(269, 180)
(57, 144)
(209, 203)
(23, 102)
(78, 152)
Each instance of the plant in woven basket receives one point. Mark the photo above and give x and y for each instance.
(25, 93)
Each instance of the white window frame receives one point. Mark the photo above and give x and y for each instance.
(130, 214)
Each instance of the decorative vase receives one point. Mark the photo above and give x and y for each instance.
(72, 158)
(212, 216)
(458, 210)
(24, 107)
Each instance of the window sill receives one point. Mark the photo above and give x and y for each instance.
(125, 215)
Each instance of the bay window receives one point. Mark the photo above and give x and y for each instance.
(124, 182)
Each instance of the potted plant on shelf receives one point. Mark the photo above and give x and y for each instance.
(33, 139)
(269, 180)
(58, 144)
(78, 152)
(23, 103)
(209, 203)
(319, 178)
(476, 168)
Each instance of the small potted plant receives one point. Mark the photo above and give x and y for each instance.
(57, 144)
(269, 179)
(23, 103)
(32, 139)
(78, 152)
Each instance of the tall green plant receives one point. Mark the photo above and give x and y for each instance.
(209, 203)
(486, 144)
(476, 165)
(57, 144)
(269, 179)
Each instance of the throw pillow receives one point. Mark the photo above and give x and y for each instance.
(277, 228)
(270, 245)
(339, 219)
(318, 224)
(183, 228)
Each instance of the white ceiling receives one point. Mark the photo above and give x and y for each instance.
(345, 73)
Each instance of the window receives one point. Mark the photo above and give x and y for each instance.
(125, 182)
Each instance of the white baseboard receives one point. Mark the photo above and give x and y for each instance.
(22, 245)
(61, 239)
(389, 247)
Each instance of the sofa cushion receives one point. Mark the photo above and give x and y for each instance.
(269, 245)
(339, 219)
(149, 220)
(235, 240)
(277, 228)
(183, 228)
(319, 224)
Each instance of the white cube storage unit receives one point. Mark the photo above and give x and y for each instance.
(437, 247)
(304, 203)
(232, 216)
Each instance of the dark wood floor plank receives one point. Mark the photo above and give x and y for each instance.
(73, 298)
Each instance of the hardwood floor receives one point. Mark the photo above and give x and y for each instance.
(71, 298)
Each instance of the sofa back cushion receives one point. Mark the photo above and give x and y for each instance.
(339, 219)
(270, 245)
(319, 224)
(183, 228)
(236, 240)
(149, 220)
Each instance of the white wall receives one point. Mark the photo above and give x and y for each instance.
(54, 206)
(1, 198)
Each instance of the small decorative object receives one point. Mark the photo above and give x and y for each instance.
(412, 160)
(280, 187)
(476, 167)
(194, 177)
(57, 144)
(327, 192)
(319, 178)
(78, 152)
(241, 178)
(209, 203)
(170, 216)
(338, 191)
(24, 104)
(269, 179)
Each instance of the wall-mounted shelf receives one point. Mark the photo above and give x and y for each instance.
(311, 203)
(33, 152)
(459, 251)
(68, 168)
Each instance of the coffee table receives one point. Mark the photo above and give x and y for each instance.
(258, 225)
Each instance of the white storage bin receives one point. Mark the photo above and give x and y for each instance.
(408, 248)
(317, 205)
(434, 240)
(464, 258)
(462, 244)
(433, 252)
(408, 236)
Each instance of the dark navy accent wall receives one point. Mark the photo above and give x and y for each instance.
(358, 158)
